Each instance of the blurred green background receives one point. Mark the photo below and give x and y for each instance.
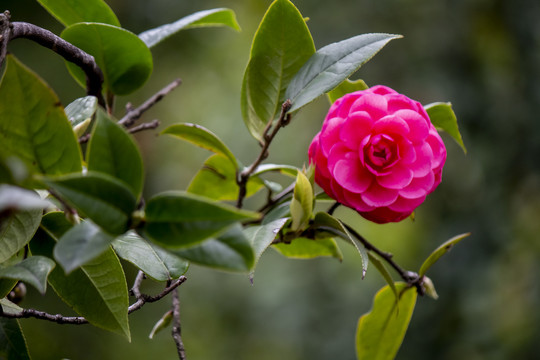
(482, 55)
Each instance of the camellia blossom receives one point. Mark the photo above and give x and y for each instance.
(378, 153)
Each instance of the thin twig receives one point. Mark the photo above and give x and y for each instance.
(144, 126)
(243, 177)
(410, 277)
(177, 329)
(15, 30)
(77, 320)
(134, 114)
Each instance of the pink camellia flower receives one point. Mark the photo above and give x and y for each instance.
(378, 153)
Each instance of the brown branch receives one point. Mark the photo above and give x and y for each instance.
(134, 114)
(410, 277)
(177, 329)
(14, 30)
(144, 126)
(243, 177)
(77, 320)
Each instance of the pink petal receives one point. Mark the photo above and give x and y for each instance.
(374, 104)
(417, 124)
(391, 124)
(399, 178)
(406, 205)
(422, 166)
(330, 134)
(355, 128)
(437, 148)
(418, 187)
(378, 196)
(406, 152)
(349, 173)
(355, 201)
(382, 90)
(399, 102)
(384, 215)
(341, 107)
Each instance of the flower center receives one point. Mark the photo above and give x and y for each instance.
(381, 153)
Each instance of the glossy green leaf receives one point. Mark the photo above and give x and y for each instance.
(9, 307)
(161, 324)
(205, 18)
(440, 251)
(178, 219)
(230, 251)
(302, 202)
(97, 290)
(105, 200)
(6, 285)
(69, 12)
(261, 237)
(12, 341)
(33, 271)
(80, 113)
(381, 331)
(284, 169)
(125, 60)
(154, 261)
(384, 272)
(217, 180)
(326, 222)
(14, 198)
(201, 137)
(331, 65)
(280, 47)
(113, 151)
(346, 87)
(442, 116)
(302, 248)
(81, 244)
(16, 230)
(33, 125)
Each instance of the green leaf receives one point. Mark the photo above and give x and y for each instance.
(201, 137)
(33, 125)
(217, 180)
(16, 230)
(125, 60)
(384, 272)
(205, 18)
(381, 331)
(230, 251)
(346, 87)
(9, 307)
(155, 262)
(331, 65)
(81, 244)
(178, 219)
(14, 198)
(80, 113)
(33, 270)
(12, 341)
(440, 251)
(302, 248)
(442, 116)
(105, 200)
(261, 237)
(326, 222)
(302, 203)
(280, 47)
(6, 285)
(161, 324)
(69, 12)
(284, 169)
(113, 151)
(97, 290)
(282, 210)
